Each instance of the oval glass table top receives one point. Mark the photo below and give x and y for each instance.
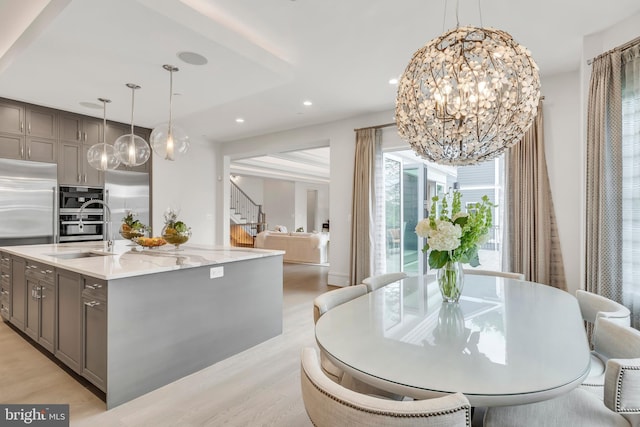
(505, 342)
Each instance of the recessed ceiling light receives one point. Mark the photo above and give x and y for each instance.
(307, 103)
(239, 120)
(393, 81)
(192, 58)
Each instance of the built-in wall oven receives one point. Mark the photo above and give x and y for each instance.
(71, 199)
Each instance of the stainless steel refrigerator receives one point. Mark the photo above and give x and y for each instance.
(28, 200)
(124, 191)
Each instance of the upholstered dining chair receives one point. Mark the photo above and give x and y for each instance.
(376, 282)
(506, 274)
(325, 302)
(593, 307)
(329, 404)
(620, 405)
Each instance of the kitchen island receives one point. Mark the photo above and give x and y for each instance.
(135, 319)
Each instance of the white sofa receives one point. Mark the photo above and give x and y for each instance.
(298, 247)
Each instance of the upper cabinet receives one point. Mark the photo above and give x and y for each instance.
(31, 132)
(77, 128)
(28, 132)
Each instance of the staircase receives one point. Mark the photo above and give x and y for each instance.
(246, 218)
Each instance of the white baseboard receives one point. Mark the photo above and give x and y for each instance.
(338, 279)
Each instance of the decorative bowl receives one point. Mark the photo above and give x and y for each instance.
(175, 237)
(150, 242)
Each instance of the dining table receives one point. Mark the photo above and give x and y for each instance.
(505, 342)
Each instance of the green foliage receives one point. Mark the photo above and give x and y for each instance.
(475, 226)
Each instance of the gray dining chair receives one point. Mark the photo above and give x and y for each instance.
(505, 274)
(593, 307)
(329, 404)
(620, 405)
(380, 280)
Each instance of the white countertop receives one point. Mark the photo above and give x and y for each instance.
(128, 260)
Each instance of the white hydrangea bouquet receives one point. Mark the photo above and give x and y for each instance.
(454, 239)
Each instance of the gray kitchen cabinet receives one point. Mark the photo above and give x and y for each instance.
(5, 285)
(74, 168)
(83, 129)
(18, 292)
(11, 117)
(40, 304)
(94, 332)
(28, 132)
(69, 312)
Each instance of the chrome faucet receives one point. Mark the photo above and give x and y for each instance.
(107, 221)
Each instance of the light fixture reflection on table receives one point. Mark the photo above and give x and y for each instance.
(168, 140)
(467, 95)
(102, 156)
(131, 149)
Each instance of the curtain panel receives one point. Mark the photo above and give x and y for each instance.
(365, 230)
(604, 179)
(532, 237)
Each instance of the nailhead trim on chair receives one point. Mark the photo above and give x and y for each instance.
(392, 414)
(619, 392)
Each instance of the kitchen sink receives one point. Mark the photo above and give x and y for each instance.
(76, 255)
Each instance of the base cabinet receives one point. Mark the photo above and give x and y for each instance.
(94, 334)
(40, 304)
(68, 341)
(5, 286)
(18, 291)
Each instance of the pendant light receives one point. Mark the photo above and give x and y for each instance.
(167, 140)
(467, 96)
(102, 156)
(131, 149)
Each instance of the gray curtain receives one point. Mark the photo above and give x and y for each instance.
(604, 178)
(532, 232)
(363, 208)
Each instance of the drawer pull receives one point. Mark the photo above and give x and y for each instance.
(91, 303)
(94, 286)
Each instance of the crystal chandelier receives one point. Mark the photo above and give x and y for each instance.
(131, 149)
(467, 96)
(168, 140)
(102, 156)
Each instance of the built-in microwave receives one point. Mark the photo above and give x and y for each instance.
(71, 199)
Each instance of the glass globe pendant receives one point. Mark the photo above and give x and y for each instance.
(131, 149)
(167, 140)
(102, 156)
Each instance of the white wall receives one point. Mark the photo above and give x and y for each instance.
(322, 208)
(188, 184)
(279, 203)
(561, 109)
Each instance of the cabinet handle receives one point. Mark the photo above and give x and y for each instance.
(91, 303)
(94, 286)
(21, 126)
(29, 127)
(78, 177)
(79, 137)
(85, 137)
(29, 152)
(48, 271)
(21, 150)
(4, 292)
(85, 177)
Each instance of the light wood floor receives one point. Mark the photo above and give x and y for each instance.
(258, 387)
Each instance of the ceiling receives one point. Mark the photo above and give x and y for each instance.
(265, 57)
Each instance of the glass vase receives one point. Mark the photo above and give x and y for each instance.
(174, 237)
(451, 281)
